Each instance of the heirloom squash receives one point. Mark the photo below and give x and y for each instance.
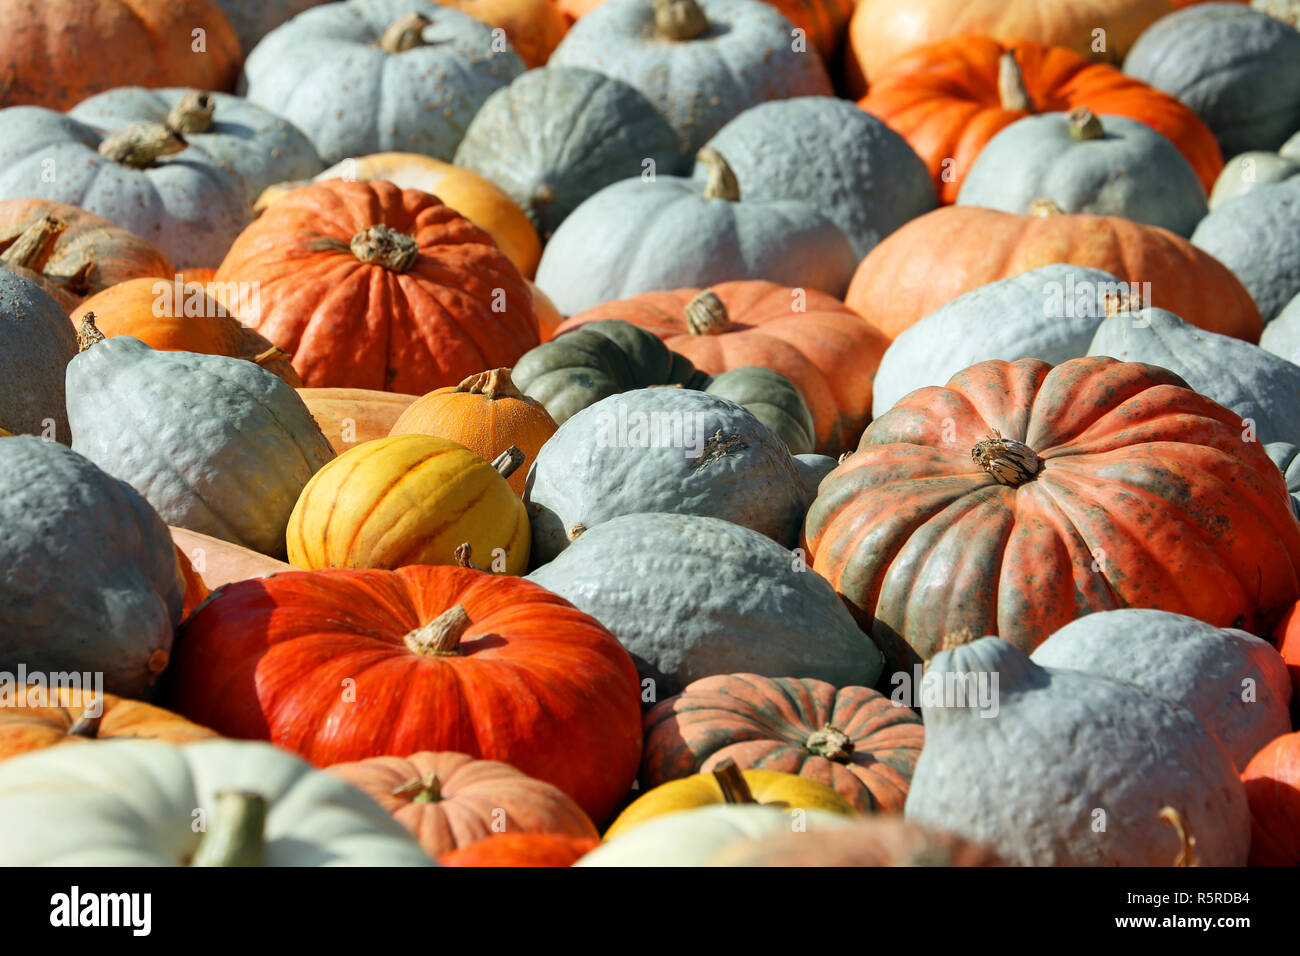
(349, 416)
(1253, 169)
(36, 344)
(771, 398)
(1272, 782)
(521, 849)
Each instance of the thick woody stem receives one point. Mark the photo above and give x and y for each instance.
(441, 636)
(405, 33)
(1010, 462)
(30, 247)
(139, 144)
(1012, 93)
(1085, 124)
(732, 781)
(722, 182)
(706, 315)
(382, 245)
(88, 334)
(192, 112)
(679, 20)
(508, 461)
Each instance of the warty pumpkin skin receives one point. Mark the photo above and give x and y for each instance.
(350, 416)
(521, 849)
(1080, 505)
(850, 738)
(873, 841)
(532, 680)
(486, 414)
(371, 286)
(1272, 781)
(948, 99)
(449, 800)
(219, 562)
(826, 349)
(404, 500)
(934, 259)
(36, 344)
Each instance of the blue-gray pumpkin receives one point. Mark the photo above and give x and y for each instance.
(701, 62)
(691, 597)
(1256, 168)
(841, 160)
(1234, 66)
(370, 76)
(559, 134)
(88, 575)
(674, 233)
(36, 344)
(1282, 335)
(1104, 165)
(1287, 458)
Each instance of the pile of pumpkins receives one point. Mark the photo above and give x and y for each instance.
(650, 432)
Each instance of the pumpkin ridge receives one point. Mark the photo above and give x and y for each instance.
(339, 484)
(450, 521)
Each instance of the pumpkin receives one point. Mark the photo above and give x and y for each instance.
(174, 316)
(726, 600)
(1233, 65)
(1104, 165)
(191, 431)
(343, 665)
(1260, 387)
(1257, 236)
(846, 164)
(219, 562)
(636, 236)
(72, 250)
(948, 99)
(449, 800)
(662, 450)
(1272, 782)
(1253, 169)
(548, 316)
(814, 468)
(820, 345)
(1287, 458)
(486, 414)
(700, 62)
(68, 715)
(409, 499)
(136, 803)
(521, 849)
(349, 416)
(771, 398)
(372, 286)
(557, 135)
(533, 27)
(1021, 496)
(371, 76)
(1284, 10)
(36, 343)
(882, 33)
(55, 54)
(1287, 637)
(196, 591)
(1236, 683)
(112, 610)
(479, 200)
(1282, 335)
(877, 841)
(1062, 768)
(943, 254)
(254, 19)
(849, 738)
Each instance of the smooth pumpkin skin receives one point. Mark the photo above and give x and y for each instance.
(350, 416)
(934, 259)
(1272, 781)
(536, 680)
(1062, 744)
(486, 414)
(533, 27)
(354, 324)
(24, 729)
(472, 799)
(1235, 66)
(36, 344)
(874, 841)
(521, 849)
(931, 551)
(548, 316)
(219, 562)
(1253, 169)
(1282, 335)
(825, 348)
(404, 500)
(943, 99)
(766, 723)
(117, 43)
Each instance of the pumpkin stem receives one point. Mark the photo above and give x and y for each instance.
(428, 790)
(405, 33)
(575, 531)
(1085, 124)
(88, 334)
(494, 383)
(1010, 462)
(830, 742)
(236, 831)
(273, 354)
(1187, 854)
(30, 247)
(384, 246)
(441, 636)
(735, 789)
(192, 113)
(508, 461)
(157, 662)
(1043, 207)
(1130, 300)
(679, 20)
(722, 183)
(706, 315)
(137, 145)
(87, 724)
(1012, 93)
(465, 557)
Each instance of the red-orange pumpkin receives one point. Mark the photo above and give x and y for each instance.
(1272, 780)
(371, 286)
(1287, 638)
(522, 849)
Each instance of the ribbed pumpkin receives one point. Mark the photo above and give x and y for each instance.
(1272, 781)
(343, 665)
(372, 286)
(949, 98)
(218, 562)
(408, 499)
(943, 254)
(349, 416)
(521, 849)
(486, 414)
(826, 349)
(851, 738)
(1022, 496)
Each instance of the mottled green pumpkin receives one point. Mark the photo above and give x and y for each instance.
(771, 398)
(36, 343)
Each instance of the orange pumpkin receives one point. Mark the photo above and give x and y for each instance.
(195, 590)
(1272, 781)
(349, 416)
(549, 318)
(1287, 638)
(218, 562)
(372, 286)
(486, 414)
(522, 849)
(950, 251)
(948, 99)
(533, 27)
(198, 274)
